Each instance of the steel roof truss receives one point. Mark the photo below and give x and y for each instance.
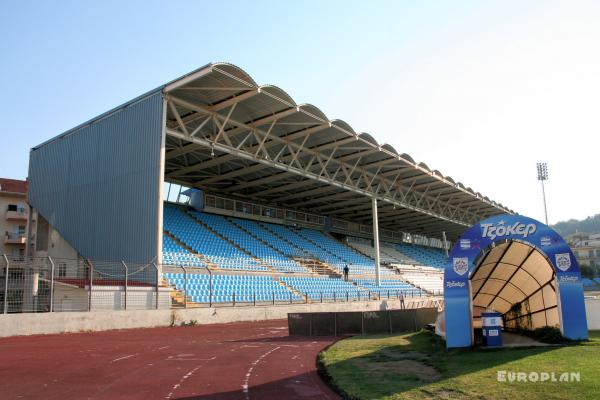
(416, 203)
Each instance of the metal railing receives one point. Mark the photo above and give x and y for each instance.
(204, 287)
(14, 235)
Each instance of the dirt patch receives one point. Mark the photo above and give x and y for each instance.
(394, 354)
(446, 394)
(405, 367)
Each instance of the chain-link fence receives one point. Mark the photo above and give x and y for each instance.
(56, 285)
(53, 285)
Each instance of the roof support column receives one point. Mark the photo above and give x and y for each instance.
(376, 241)
(445, 242)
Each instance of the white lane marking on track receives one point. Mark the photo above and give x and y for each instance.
(178, 384)
(186, 357)
(164, 347)
(245, 388)
(122, 358)
(186, 376)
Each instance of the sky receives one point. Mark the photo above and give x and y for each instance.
(479, 90)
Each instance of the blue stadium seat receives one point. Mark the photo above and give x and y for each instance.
(232, 230)
(326, 288)
(205, 242)
(227, 288)
(394, 287)
(173, 253)
(588, 283)
(326, 249)
(234, 243)
(424, 255)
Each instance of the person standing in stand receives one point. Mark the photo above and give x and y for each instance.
(346, 271)
(402, 300)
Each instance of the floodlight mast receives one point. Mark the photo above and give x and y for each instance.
(542, 170)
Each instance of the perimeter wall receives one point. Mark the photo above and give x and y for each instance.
(48, 323)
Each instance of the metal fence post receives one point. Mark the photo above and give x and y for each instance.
(126, 276)
(33, 274)
(210, 287)
(91, 284)
(233, 299)
(157, 281)
(51, 284)
(335, 323)
(185, 288)
(6, 284)
(362, 323)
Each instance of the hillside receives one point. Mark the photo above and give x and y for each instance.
(588, 225)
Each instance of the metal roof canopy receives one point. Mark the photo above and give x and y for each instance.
(228, 135)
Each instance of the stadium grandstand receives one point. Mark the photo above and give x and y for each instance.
(238, 193)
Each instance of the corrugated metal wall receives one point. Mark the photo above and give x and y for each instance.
(99, 185)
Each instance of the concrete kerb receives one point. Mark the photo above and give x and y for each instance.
(64, 322)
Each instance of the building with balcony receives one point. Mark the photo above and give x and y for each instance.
(14, 217)
(586, 248)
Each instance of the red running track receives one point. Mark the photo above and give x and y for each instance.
(231, 361)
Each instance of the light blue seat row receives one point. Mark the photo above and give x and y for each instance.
(263, 247)
(173, 253)
(392, 285)
(588, 283)
(265, 251)
(226, 288)
(357, 262)
(205, 242)
(424, 255)
(326, 288)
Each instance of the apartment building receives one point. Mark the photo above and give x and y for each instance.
(586, 248)
(14, 216)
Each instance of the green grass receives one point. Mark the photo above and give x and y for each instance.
(418, 366)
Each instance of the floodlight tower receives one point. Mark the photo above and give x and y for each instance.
(542, 170)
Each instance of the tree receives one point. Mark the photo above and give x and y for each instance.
(588, 225)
